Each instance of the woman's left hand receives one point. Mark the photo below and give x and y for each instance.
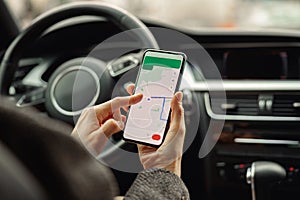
(96, 124)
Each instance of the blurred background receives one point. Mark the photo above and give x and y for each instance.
(191, 14)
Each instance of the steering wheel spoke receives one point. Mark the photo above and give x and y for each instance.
(32, 98)
(123, 64)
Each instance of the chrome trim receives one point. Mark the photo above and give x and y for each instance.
(248, 175)
(244, 85)
(296, 105)
(243, 117)
(250, 179)
(63, 73)
(265, 141)
(241, 45)
(228, 106)
(122, 60)
(20, 103)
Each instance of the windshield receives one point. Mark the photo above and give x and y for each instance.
(191, 14)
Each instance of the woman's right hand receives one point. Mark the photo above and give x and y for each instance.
(169, 154)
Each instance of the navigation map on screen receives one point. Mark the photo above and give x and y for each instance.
(157, 82)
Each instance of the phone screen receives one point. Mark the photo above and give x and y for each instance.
(158, 79)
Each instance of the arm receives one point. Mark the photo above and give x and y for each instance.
(159, 184)
(161, 177)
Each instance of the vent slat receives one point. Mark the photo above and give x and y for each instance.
(283, 105)
(283, 110)
(247, 105)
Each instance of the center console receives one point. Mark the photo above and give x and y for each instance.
(260, 125)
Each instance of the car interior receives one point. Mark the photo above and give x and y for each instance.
(252, 95)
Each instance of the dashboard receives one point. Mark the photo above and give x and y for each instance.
(260, 74)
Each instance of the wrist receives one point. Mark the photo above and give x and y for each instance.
(175, 167)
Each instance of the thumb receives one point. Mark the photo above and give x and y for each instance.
(112, 126)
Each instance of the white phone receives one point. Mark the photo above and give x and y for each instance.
(158, 79)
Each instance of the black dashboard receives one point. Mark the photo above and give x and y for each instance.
(261, 79)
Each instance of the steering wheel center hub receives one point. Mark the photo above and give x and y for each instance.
(75, 85)
(86, 90)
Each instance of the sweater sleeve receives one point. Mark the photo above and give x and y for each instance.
(157, 184)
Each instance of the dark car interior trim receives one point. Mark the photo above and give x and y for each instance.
(261, 113)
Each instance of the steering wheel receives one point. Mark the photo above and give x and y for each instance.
(58, 95)
(94, 86)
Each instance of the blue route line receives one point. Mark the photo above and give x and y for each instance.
(163, 105)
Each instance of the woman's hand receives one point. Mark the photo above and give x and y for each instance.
(96, 124)
(169, 154)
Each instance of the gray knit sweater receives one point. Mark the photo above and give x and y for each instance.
(157, 184)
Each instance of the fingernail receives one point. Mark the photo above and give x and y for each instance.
(179, 96)
(139, 94)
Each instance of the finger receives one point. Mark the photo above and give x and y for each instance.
(173, 144)
(130, 88)
(176, 107)
(119, 102)
(117, 115)
(125, 108)
(177, 113)
(112, 126)
(124, 103)
(105, 110)
(123, 118)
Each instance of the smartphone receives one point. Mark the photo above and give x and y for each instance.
(159, 77)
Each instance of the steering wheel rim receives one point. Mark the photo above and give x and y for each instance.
(118, 16)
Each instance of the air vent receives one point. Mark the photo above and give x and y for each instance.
(255, 107)
(286, 105)
(237, 104)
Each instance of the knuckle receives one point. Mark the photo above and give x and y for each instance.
(117, 100)
(85, 112)
(181, 130)
(112, 124)
(180, 111)
(98, 137)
